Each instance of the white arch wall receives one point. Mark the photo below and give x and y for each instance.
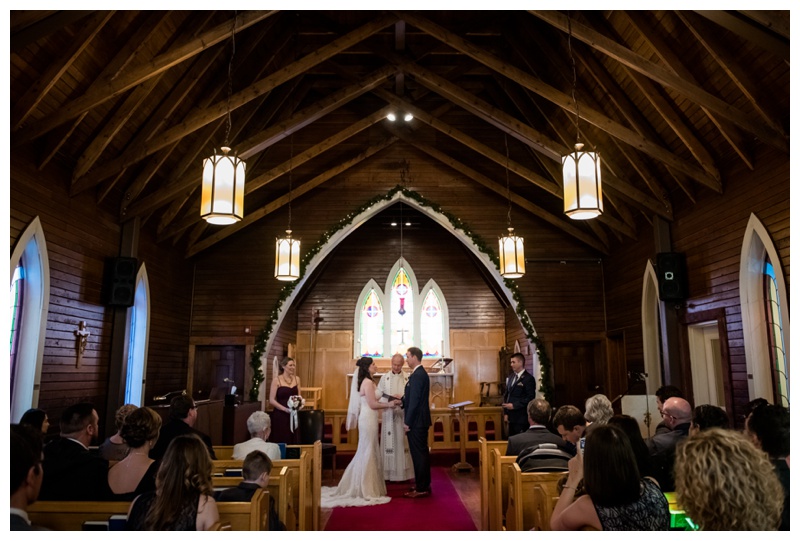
(651, 329)
(31, 249)
(357, 222)
(755, 245)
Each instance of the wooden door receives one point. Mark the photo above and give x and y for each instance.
(213, 366)
(575, 373)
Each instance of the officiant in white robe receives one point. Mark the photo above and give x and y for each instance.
(397, 465)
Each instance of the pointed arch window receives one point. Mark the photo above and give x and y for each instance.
(402, 305)
(772, 310)
(371, 328)
(15, 305)
(397, 317)
(138, 331)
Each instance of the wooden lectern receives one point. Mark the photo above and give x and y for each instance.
(462, 466)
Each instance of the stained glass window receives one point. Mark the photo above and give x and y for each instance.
(431, 326)
(15, 305)
(402, 317)
(371, 331)
(780, 365)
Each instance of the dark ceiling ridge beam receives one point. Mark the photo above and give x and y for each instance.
(767, 133)
(201, 118)
(137, 75)
(739, 25)
(565, 102)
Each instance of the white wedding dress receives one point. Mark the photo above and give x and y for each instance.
(362, 483)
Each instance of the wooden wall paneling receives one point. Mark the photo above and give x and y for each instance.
(474, 353)
(334, 360)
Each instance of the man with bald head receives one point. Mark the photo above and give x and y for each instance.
(677, 415)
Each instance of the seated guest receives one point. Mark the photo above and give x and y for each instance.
(26, 473)
(677, 414)
(258, 424)
(598, 409)
(114, 448)
(570, 423)
(136, 473)
(255, 470)
(538, 416)
(708, 416)
(724, 482)
(183, 499)
(664, 393)
(630, 426)
(37, 419)
(71, 472)
(768, 427)
(616, 498)
(182, 417)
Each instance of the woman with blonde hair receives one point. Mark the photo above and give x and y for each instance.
(115, 448)
(136, 473)
(724, 482)
(183, 499)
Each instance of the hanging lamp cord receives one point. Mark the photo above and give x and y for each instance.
(230, 81)
(291, 158)
(574, 79)
(508, 183)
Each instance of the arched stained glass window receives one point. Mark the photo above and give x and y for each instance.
(371, 331)
(772, 309)
(15, 304)
(402, 317)
(431, 326)
(391, 318)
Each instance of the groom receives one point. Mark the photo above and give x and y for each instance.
(417, 422)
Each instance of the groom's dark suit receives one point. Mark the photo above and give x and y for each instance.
(418, 419)
(519, 394)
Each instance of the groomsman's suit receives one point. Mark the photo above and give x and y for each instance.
(519, 391)
(418, 420)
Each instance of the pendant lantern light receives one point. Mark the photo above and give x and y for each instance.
(583, 188)
(287, 249)
(512, 247)
(222, 196)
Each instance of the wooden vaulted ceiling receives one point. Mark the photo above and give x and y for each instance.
(131, 102)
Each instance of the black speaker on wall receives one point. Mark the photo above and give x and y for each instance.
(119, 285)
(671, 269)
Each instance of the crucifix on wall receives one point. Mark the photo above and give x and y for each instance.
(81, 339)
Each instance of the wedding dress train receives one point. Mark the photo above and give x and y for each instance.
(362, 483)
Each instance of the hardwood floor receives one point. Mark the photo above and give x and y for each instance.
(467, 485)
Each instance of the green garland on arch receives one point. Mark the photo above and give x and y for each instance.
(260, 345)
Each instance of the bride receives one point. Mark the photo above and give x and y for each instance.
(362, 483)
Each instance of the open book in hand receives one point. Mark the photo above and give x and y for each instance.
(389, 397)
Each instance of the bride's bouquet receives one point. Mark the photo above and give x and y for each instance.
(295, 403)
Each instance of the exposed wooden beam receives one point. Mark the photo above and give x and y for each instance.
(775, 20)
(137, 75)
(25, 106)
(202, 117)
(564, 101)
(665, 77)
(484, 181)
(34, 25)
(745, 28)
(667, 55)
(751, 89)
(294, 194)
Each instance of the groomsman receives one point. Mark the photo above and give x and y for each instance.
(520, 389)
(417, 422)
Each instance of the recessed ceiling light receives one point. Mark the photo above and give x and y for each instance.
(408, 117)
(394, 224)
(391, 117)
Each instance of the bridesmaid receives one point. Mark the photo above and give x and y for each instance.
(284, 384)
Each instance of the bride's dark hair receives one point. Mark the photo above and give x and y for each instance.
(363, 370)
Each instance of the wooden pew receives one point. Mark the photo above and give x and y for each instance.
(532, 496)
(498, 487)
(485, 467)
(70, 516)
(223, 452)
(280, 489)
(315, 486)
(302, 482)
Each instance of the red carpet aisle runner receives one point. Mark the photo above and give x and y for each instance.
(442, 511)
